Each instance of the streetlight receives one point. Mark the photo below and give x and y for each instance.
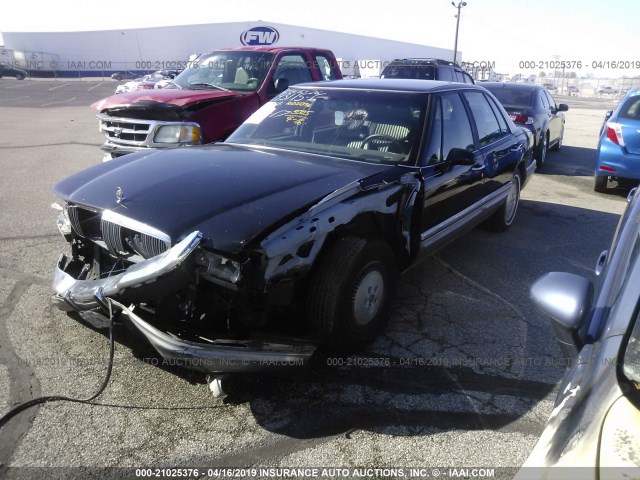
(459, 6)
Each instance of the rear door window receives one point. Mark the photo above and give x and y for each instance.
(487, 124)
(498, 113)
(450, 128)
(293, 68)
(325, 68)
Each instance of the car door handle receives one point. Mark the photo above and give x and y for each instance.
(515, 148)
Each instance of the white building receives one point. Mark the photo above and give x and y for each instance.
(106, 51)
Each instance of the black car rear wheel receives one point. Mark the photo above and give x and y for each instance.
(20, 76)
(350, 294)
(503, 217)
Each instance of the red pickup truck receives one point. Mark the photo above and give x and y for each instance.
(208, 100)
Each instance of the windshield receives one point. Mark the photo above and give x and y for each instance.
(371, 126)
(513, 98)
(231, 71)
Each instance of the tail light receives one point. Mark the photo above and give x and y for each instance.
(521, 118)
(614, 133)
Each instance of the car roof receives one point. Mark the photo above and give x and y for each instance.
(512, 85)
(391, 84)
(414, 60)
(265, 49)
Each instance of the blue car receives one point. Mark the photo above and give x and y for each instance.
(619, 146)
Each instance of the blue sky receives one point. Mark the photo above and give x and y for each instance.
(504, 31)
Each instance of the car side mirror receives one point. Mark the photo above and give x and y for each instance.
(282, 84)
(460, 156)
(563, 107)
(566, 299)
(607, 115)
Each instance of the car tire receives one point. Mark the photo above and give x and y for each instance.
(20, 76)
(558, 145)
(118, 77)
(600, 184)
(351, 292)
(503, 218)
(541, 154)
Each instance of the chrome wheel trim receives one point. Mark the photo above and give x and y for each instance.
(368, 296)
(511, 204)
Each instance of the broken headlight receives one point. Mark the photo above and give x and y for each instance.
(63, 222)
(219, 267)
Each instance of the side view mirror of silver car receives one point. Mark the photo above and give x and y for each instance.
(565, 298)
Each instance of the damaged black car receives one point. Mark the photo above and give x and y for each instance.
(289, 235)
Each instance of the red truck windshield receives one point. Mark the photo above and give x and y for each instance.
(234, 71)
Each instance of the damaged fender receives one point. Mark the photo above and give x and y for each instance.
(335, 210)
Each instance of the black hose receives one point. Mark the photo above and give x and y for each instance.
(57, 398)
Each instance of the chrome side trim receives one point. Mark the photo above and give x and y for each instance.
(443, 229)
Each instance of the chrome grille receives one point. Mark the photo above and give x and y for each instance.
(148, 246)
(112, 236)
(125, 130)
(122, 236)
(85, 223)
(75, 221)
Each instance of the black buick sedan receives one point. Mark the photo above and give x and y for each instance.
(250, 253)
(534, 107)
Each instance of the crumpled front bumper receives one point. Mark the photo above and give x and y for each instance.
(93, 299)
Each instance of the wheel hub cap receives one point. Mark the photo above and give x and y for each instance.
(368, 297)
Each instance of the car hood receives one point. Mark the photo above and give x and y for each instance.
(175, 97)
(231, 193)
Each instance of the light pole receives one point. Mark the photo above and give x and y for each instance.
(455, 47)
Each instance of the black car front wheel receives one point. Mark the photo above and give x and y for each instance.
(543, 149)
(20, 76)
(351, 291)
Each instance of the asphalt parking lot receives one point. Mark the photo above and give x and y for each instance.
(473, 367)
